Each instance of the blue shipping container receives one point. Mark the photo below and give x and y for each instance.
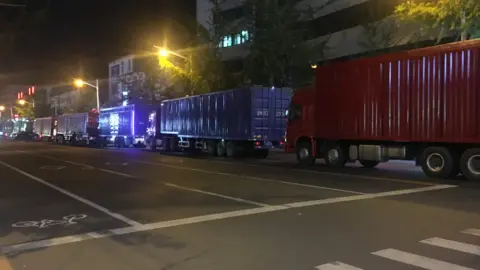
(130, 120)
(249, 113)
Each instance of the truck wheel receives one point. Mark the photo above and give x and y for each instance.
(262, 153)
(335, 157)
(304, 153)
(231, 149)
(369, 163)
(438, 162)
(221, 149)
(152, 144)
(166, 144)
(173, 144)
(211, 148)
(470, 164)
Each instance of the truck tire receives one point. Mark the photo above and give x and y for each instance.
(335, 156)
(221, 151)
(231, 149)
(166, 144)
(369, 163)
(60, 140)
(152, 144)
(211, 148)
(262, 153)
(173, 144)
(304, 153)
(470, 165)
(438, 162)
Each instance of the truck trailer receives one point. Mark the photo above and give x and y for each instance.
(421, 105)
(243, 121)
(123, 126)
(44, 128)
(76, 129)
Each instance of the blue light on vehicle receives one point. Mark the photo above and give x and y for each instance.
(133, 122)
(114, 123)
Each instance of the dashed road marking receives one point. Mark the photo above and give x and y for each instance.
(212, 217)
(167, 184)
(248, 177)
(453, 245)
(417, 260)
(74, 196)
(336, 266)
(86, 166)
(472, 232)
(52, 168)
(217, 195)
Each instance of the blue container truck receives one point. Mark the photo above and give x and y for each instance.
(243, 121)
(124, 126)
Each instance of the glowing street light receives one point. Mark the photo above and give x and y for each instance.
(80, 83)
(163, 53)
(22, 102)
(2, 108)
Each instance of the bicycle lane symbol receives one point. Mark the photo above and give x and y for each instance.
(46, 223)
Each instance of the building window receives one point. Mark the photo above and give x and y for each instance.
(115, 71)
(244, 36)
(234, 39)
(227, 41)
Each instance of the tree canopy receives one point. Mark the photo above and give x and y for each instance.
(279, 54)
(458, 17)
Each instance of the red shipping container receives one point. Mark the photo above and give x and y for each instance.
(424, 95)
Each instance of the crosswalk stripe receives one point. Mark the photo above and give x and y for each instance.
(337, 266)
(472, 232)
(458, 246)
(417, 260)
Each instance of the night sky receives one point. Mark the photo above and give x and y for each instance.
(87, 34)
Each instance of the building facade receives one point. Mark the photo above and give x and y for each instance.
(126, 76)
(133, 77)
(345, 27)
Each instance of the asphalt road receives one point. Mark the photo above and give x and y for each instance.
(67, 207)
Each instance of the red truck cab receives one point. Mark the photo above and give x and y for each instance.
(300, 122)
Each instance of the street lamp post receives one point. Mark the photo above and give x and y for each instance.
(80, 83)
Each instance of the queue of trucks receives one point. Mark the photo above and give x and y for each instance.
(243, 121)
(421, 105)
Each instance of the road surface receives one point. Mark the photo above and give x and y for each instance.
(67, 207)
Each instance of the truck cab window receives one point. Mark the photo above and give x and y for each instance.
(295, 112)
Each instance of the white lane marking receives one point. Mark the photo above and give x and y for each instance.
(454, 245)
(86, 166)
(52, 168)
(74, 196)
(417, 260)
(217, 195)
(403, 181)
(167, 184)
(199, 219)
(248, 177)
(336, 266)
(475, 232)
(368, 196)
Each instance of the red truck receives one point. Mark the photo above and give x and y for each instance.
(421, 105)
